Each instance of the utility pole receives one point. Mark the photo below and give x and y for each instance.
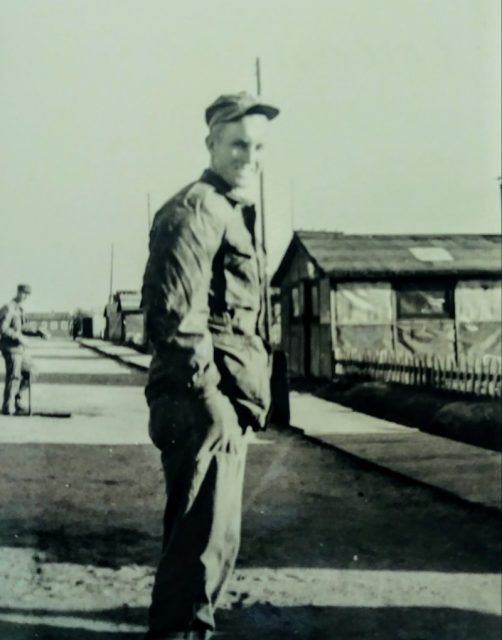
(292, 204)
(268, 319)
(500, 188)
(111, 273)
(280, 410)
(262, 182)
(149, 217)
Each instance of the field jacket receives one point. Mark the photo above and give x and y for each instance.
(204, 299)
(11, 326)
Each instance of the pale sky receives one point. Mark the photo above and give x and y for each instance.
(390, 123)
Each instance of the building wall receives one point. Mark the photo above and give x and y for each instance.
(366, 317)
(434, 316)
(113, 325)
(432, 336)
(306, 315)
(363, 317)
(57, 324)
(293, 314)
(296, 351)
(425, 317)
(98, 326)
(322, 347)
(134, 328)
(478, 307)
(301, 268)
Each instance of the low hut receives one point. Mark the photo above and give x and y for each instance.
(419, 294)
(124, 318)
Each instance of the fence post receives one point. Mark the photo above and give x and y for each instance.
(451, 374)
(466, 375)
(497, 383)
(492, 374)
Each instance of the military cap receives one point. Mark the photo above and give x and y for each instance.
(234, 106)
(24, 288)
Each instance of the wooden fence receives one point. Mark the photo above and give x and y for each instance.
(481, 376)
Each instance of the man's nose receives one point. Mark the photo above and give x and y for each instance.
(250, 156)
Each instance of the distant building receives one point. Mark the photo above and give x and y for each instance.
(57, 323)
(419, 294)
(88, 324)
(124, 318)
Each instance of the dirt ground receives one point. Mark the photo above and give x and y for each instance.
(330, 549)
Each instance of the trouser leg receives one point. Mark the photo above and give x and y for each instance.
(26, 368)
(13, 362)
(201, 525)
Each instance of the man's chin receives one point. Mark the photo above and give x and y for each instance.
(246, 192)
(245, 181)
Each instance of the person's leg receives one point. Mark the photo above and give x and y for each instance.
(202, 516)
(7, 382)
(26, 370)
(12, 380)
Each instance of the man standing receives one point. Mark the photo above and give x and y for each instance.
(17, 362)
(209, 379)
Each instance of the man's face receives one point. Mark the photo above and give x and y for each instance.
(236, 149)
(22, 296)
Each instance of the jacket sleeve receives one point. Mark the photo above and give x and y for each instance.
(7, 327)
(184, 239)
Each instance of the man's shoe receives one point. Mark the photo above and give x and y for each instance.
(184, 635)
(21, 408)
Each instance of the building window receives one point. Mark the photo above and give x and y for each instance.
(54, 324)
(315, 300)
(295, 302)
(424, 300)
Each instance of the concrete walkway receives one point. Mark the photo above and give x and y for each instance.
(118, 352)
(470, 473)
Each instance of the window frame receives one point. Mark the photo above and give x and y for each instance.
(447, 288)
(294, 297)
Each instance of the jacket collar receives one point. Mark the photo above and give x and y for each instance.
(235, 196)
(215, 180)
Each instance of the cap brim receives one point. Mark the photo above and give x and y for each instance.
(231, 110)
(266, 109)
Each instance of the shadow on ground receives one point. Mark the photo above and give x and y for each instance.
(130, 378)
(273, 623)
(304, 506)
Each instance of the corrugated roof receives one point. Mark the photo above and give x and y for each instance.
(350, 256)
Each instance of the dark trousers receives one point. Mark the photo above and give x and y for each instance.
(17, 377)
(202, 518)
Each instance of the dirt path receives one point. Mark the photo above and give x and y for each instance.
(330, 549)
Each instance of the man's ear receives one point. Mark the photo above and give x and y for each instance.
(209, 142)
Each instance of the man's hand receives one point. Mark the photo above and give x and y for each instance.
(42, 333)
(226, 437)
(224, 433)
